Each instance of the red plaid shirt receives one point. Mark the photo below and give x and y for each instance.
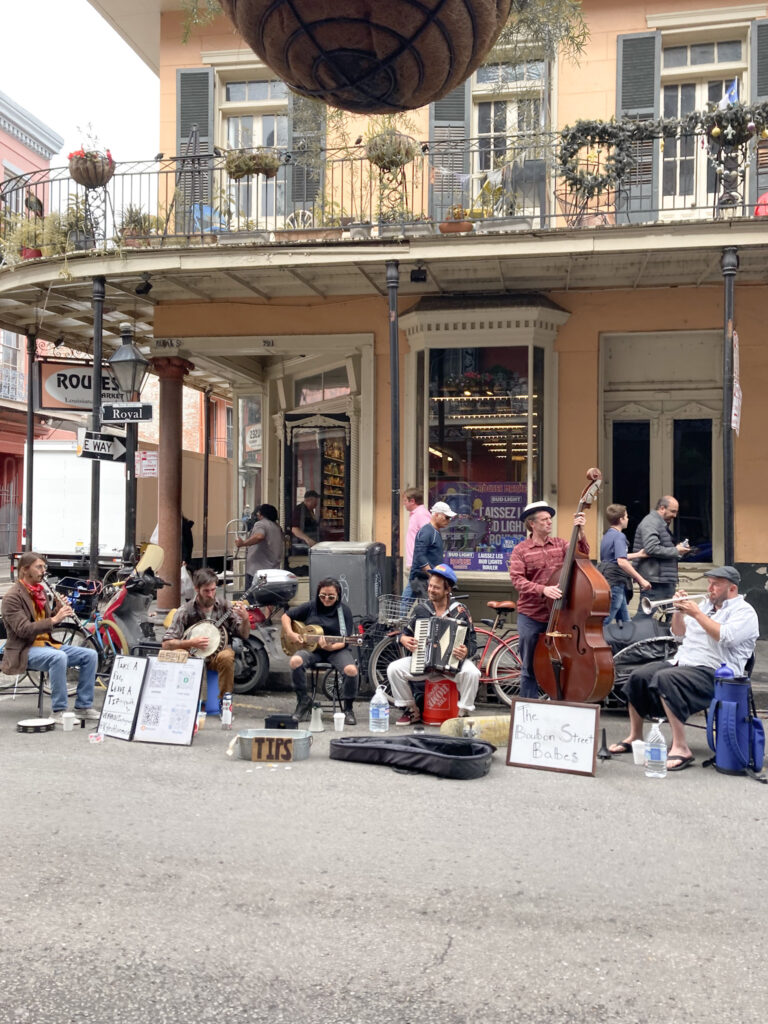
(531, 566)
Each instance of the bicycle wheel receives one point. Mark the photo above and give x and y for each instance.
(487, 645)
(73, 636)
(504, 670)
(385, 652)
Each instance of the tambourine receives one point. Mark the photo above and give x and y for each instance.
(35, 725)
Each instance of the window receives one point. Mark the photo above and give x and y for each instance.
(14, 198)
(321, 387)
(12, 377)
(695, 76)
(485, 447)
(254, 114)
(508, 112)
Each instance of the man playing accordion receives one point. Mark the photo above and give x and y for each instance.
(439, 604)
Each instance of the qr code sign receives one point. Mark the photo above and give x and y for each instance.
(151, 715)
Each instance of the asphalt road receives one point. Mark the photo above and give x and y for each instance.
(164, 884)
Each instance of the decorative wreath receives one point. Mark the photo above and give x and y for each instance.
(735, 126)
(614, 136)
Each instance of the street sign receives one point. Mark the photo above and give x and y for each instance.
(146, 463)
(126, 412)
(100, 446)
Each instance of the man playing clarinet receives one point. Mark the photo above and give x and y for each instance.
(439, 603)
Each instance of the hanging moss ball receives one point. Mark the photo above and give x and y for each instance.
(370, 56)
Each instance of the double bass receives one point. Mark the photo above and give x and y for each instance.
(572, 661)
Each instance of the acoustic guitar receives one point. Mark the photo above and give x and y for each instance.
(310, 637)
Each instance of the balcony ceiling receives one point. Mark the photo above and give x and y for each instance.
(562, 261)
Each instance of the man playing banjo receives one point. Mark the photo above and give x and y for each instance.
(199, 624)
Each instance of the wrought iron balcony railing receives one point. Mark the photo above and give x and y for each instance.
(485, 184)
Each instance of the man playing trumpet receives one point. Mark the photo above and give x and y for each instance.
(721, 629)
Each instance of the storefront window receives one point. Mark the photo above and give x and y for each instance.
(485, 447)
(251, 452)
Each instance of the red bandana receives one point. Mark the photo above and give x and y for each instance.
(38, 595)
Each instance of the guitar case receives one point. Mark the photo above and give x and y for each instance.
(445, 756)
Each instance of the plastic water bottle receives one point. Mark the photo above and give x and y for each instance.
(226, 711)
(655, 753)
(378, 711)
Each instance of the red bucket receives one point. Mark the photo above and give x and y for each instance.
(441, 701)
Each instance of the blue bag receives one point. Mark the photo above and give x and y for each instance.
(734, 732)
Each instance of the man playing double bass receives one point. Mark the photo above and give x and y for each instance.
(531, 566)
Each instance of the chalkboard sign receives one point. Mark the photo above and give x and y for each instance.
(169, 701)
(554, 736)
(118, 713)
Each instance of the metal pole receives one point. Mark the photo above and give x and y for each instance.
(393, 283)
(29, 485)
(131, 438)
(99, 290)
(206, 467)
(729, 265)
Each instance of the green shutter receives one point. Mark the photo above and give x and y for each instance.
(194, 186)
(305, 170)
(638, 91)
(758, 92)
(449, 151)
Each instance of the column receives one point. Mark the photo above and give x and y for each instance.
(171, 371)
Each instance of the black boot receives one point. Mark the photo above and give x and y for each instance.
(349, 714)
(303, 707)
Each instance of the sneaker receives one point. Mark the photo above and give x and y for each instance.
(303, 711)
(57, 716)
(89, 714)
(465, 712)
(410, 716)
(349, 717)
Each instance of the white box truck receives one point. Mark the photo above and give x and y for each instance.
(61, 508)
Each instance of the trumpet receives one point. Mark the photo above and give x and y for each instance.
(648, 607)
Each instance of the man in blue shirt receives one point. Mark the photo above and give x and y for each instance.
(427, 549)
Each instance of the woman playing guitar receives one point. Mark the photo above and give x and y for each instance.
(335, 618)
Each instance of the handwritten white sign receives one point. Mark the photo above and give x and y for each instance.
(554, 736)
(118, 714)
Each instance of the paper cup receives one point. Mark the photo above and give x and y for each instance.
(68, 721)
(338, 721)
(201, 717)
(638, 751)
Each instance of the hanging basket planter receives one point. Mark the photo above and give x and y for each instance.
(242, 163)
(91, 169)
(390, 151)
(371, 58)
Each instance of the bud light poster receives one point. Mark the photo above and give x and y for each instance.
(487, 525)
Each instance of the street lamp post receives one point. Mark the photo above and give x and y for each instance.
(130, 369)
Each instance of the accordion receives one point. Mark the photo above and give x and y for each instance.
(436, 640)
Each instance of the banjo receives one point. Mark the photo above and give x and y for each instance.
(213, 631)
(311, 636)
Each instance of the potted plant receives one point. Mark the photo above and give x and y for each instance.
(136, 226)
(241, 163)
(79, 227)
(90, 167)
(24, 239)
(390, 151)
(457, 221)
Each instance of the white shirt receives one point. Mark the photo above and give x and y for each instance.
(739, 630)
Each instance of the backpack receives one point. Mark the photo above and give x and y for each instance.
(734, 732)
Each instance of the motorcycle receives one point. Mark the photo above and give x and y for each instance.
(266, 600)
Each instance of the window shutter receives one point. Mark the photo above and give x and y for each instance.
(637, 96)
(194, 106)
(307, 141)
(449, 151)
(758, 91)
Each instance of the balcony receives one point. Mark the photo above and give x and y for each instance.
(485, 186)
